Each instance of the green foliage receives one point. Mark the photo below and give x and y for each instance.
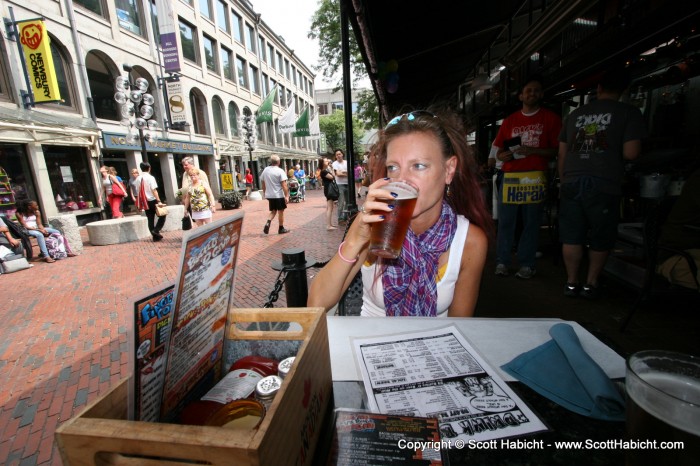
(333, 126)
(367, 109)
(231, 200)
(325, 26)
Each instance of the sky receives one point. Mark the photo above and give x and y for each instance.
(291, 19)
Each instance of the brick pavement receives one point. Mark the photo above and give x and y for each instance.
(63, 339)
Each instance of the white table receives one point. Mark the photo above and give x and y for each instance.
(498, 340)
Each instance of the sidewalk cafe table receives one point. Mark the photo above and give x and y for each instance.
(498, 341)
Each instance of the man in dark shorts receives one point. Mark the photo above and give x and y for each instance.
(274, 185)
(594, 144)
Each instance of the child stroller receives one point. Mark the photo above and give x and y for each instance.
(294, 190)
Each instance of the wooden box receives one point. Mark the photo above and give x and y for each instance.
(288, 434)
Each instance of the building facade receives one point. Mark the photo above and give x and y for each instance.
(229, 58)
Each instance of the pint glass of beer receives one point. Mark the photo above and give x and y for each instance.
(387, 236)
(663, 391)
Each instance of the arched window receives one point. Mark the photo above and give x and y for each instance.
(5, 90)
(233, 114)
(100, 71)
(64, 75)
(219, 117)
(198, 110)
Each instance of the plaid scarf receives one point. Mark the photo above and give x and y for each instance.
(409, 282)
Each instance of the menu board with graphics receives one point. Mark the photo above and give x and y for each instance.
(152, 317)
(203, 295)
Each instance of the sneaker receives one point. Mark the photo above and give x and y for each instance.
(572, 290)
(590, 291)
(502, 270)
(526, 272)
(266, 230)
(282, 231)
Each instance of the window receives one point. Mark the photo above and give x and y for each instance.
(282, 96)
(210, 53)
(279, 63)
(188, 34)
(261, 44)
(242, 72)
(95, 6)
(5, 93)
(198, 105)
(301, 86)
(63, 76)
(61, 159)
(254, 79)
(219, 120)
(101, 83)
(233, 119)
(237, 27)
(294, 75)
(277, 95)
(250, 37)
(129, 15)
(222, 16)
(205, 8)
(270, 55)
(265, 88)
(311, 87)
(286, 68)
(289, 98)
(226, 57)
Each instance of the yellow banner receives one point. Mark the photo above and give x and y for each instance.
(524, 187)
(37, 55)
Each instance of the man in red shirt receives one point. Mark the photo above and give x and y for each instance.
(526, 141)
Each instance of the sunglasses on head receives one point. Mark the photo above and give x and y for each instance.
(410, 116)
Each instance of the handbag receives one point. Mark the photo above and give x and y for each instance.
(186, 222)
(161, 210)
(118, 189)
(15, 265)
(333, 191)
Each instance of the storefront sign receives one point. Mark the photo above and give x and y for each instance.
(37, 55)
(226, 181)
(176, 102)
(117, 141)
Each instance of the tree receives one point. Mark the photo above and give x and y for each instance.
(333, 126)
(367, 109)
(325, 26)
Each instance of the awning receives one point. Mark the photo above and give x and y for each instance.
(22, 125)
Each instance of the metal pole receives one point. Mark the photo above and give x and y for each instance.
(351, 205)
(295, 284)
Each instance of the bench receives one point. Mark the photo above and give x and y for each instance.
(118, 230)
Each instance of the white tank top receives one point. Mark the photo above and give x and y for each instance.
(373, 290)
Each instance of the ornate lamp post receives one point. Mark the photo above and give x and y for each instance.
(136, 110)
(249, 136)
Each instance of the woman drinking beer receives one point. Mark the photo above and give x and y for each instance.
(438, 271)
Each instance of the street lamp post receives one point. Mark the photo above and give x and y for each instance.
(136, 110)
(249, 136)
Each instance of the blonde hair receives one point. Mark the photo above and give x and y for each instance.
(193, 171)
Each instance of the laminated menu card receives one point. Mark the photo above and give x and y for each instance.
(438, 374)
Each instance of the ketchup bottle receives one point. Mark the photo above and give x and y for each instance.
(239, 383)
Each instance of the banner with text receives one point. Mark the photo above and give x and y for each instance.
(168, 36)
(36, 46)
(524, 187)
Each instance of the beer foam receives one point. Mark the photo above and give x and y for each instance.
(402, 190)
(668, 408)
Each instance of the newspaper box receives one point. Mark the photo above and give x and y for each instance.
(288, 434)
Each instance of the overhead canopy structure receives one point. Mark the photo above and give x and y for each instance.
(446, 50)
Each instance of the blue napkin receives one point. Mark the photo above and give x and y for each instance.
(563, 372)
